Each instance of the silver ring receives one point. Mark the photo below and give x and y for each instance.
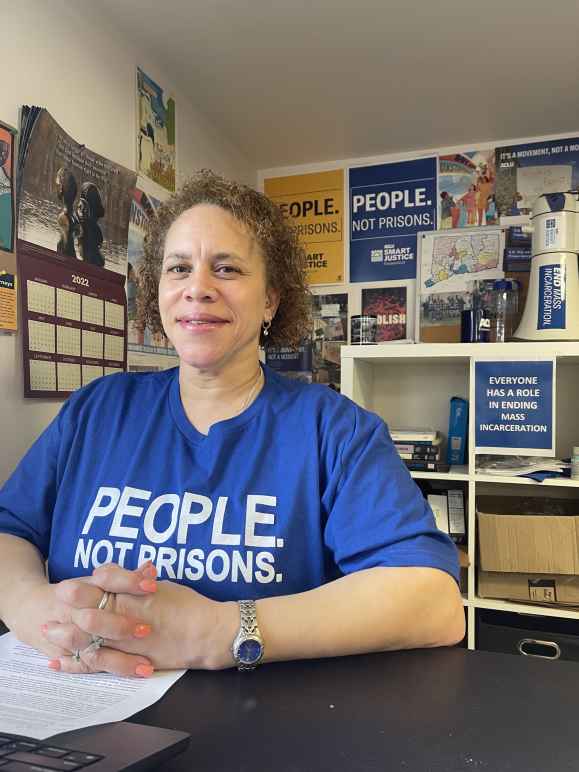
(97, 641)
(76, 655)
(104, 601)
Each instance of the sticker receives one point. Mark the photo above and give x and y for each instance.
(551, 297)
(550, 232)
(543, 590)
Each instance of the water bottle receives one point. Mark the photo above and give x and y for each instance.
(499, 303)
(503, 302)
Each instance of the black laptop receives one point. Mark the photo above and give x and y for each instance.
(105, 748)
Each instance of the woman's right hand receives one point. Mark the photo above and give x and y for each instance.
(35, 604)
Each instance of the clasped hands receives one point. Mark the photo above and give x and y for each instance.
(146, 625)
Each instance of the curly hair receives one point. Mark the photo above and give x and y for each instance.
(284, 256)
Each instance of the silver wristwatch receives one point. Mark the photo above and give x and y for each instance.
(247, 648)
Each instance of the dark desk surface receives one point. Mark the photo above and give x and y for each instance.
(440, 710)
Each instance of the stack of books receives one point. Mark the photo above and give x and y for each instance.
(420, 449)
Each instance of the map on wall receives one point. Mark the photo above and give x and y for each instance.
(449, 262)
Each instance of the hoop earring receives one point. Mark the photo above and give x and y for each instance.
(265, 329)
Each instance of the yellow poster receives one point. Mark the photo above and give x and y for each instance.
(313, 204)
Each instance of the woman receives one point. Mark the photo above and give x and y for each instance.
(222, 477)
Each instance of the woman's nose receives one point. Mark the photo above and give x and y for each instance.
(200, 285)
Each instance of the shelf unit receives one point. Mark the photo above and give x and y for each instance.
(412, 385)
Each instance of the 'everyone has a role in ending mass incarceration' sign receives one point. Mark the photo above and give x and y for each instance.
(313, 205)
(515, 407)
(389, 205)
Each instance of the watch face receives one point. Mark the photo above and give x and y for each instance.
(250, 651)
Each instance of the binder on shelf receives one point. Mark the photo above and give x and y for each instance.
(403, 434)
(426, 466)
(457, 431)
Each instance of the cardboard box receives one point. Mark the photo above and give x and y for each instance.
(528, 536)
(533, 588)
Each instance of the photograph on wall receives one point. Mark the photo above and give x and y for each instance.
(389, 205)
(440, 316)
(466, 182)
(525, 172)
(313, 204)
(156, 157)
(6, 188)
(389, 306)
(143, 208)
(330, 333)
(71, 201)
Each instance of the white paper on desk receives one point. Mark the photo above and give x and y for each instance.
(39, 702)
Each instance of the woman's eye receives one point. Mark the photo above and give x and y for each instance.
(226, 269)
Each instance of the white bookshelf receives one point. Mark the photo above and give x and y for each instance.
(412, 385)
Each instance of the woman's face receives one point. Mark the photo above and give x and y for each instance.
(213, 297)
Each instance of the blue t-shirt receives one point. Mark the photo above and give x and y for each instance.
(302, 487)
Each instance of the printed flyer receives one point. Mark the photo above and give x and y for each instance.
(155, 132)
(313, 205)
(389, 205)
(467, 189)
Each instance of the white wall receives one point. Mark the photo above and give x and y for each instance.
(71, 61)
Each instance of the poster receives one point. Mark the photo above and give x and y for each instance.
(330, 333)
(155, 132)
(389, 306)
(8, 281)
(515, 407)
(466, 182)
(389, 205)
(313, 205)
(71, 201)
(527, 171)
(74, 324)
(451, 261)
(143, 207)
(6, 188)
(292, 363)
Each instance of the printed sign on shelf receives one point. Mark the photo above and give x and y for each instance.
(389, 205)
(515, 407)
(312, 204)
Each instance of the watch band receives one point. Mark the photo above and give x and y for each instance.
(248, 631)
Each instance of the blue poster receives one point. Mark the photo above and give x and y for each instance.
(514, 407)
(389, 205)
(526, 171)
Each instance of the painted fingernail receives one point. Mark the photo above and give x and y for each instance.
(141, 631)
(145, 671)
(148, 585)
(43, 629)
(149, 571)
(54, 664)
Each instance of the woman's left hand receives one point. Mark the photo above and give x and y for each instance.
(174, 627)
